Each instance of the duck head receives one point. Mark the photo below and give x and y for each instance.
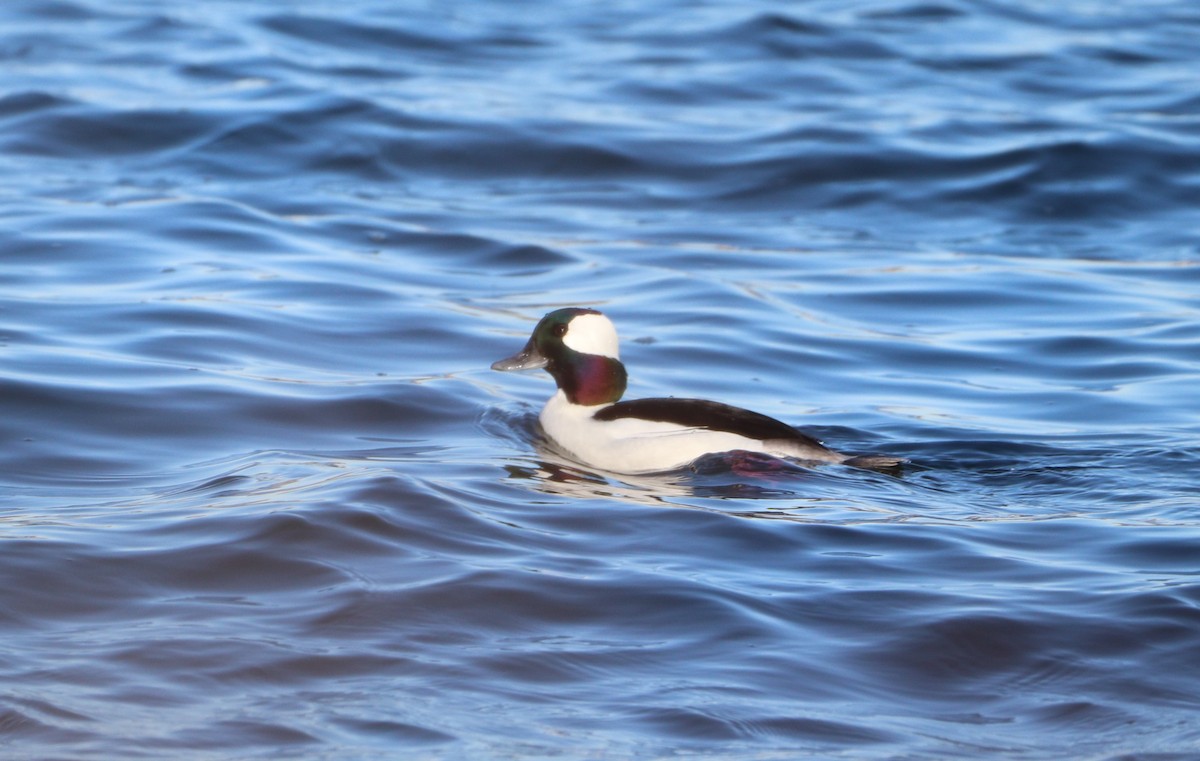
(579, 348)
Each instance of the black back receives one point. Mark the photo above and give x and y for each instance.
(700, 413)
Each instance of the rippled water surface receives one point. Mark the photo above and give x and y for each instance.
(261, 497)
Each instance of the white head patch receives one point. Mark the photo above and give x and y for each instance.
(592, 334)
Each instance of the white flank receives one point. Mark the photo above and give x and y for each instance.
(631, 445)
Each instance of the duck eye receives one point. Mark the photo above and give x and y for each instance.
(560, 329)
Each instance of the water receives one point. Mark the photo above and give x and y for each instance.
(262, 498)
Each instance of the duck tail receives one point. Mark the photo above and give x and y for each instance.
(881, 462)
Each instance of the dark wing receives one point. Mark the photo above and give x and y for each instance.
(699, 413)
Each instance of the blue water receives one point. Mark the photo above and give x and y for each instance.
(261, 497)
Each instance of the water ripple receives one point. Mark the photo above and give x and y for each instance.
(262, 496)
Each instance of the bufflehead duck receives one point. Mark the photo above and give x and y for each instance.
(587, 419)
